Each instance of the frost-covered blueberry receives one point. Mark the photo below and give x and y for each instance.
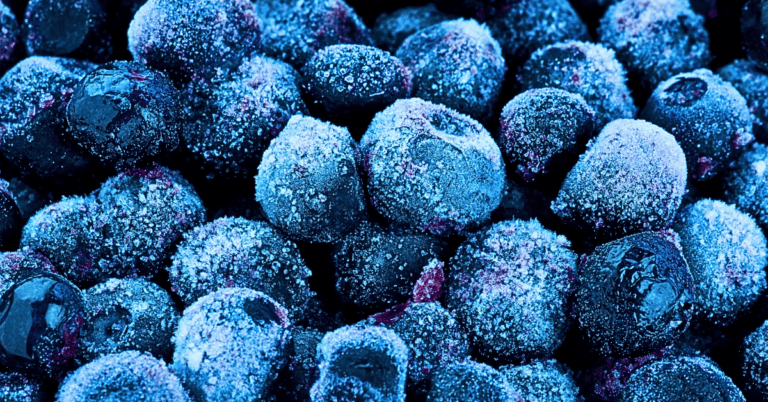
(746, 184)
(11, 46)
(230, 345)
(636, 295)
(752, 83)
(470, 382)
(511, 287)
(123, 377)
(243, 113)
(236, 252)
(194, 41)
(431, 168)
(123, 112)
(361, 363)
(294, 383)
(726, 252)
(632, 178)
(127, 314)
(543, 131)
(344, 80)
(390, 29)
(655, 39)
(587, 69)
(40, 320)
(679, 379)
(35, 144)
(294, 30)
(15, 387)
(28, 199)
(308, 183)
(524, 26)
(11, 221)
(433, 336)
(607, 377)
(17, 265)
(754, 27)
(542, 381)
(754, 363)
(377, 268)
(706, 115)
(76, 28)
(456, 63)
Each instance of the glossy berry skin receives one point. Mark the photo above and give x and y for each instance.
(753, 30)
(123, 112)
(636, 295)
(40, 321)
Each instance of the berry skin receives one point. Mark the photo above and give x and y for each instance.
(752, 83)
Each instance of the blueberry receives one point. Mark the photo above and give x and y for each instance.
(746, 184)
(391, 29)
(122, 377)
(40, 320)
(511, 287)
(123, 112)
(11, 47)
(17, 265)
(300, 374)
(470, 381)
(606, 379)
(753, 30)
(11, 220)
(76, 28)
(636, 295)
(754, 363)
(632, 178)
(308, 183)
(752, 83)
(456, 63)
(543, 380)
(15, 387)
(28, 199)
(431, 168)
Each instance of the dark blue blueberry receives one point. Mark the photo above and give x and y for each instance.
(754, 27)
(11, 47)
(754, 363)
(470, 382)
(75, 28)
(752, 83)
(746, 184)
(543, 380)
(15, 387)
(11, 220)
(391, 29)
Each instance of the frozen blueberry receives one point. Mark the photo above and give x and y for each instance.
(361, 363)
(308, 183)
(244, 112)
(127, 314)
(294, 30)
(470, 382)
(524, 26)
(542, 381)
(235, 252)
(16, 387)
(605, 380)
(11, 220)
(754, 363)
(230, 345)
(587, 69)
(28, 199)
(431, 168)
(655, 39)
(511, 286)
(456, 63)
(40, 320)
(632, 178)
(194, 41)
(726, 252)
(636, 295)
(680, 379)
(752, 83)
(35, 141)
(11, 46)
(123, 377)
(344, 80)
(17, 265)
(707, 116)
(391, 29)
(300, 373)
(123, 112)
(76, 28)
(543, 131)
(746, 184)
(433, 336)
(376, 268)
(753, 29)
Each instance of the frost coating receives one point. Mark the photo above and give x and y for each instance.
(587, 69)
(126, 376)
(244, 112)
(431, 168)
(631, 179)
(11, 46)
(361, 363)
(15, 265)
(543, 381)
(391, 29)
(77, 28)
(308, 183)
(655, 39)
(456, 63)
(15, 387)
(726, 252)
(746, 185)
(235, 252)
(470, 382)
(230, 345)
(752, 83)
(194, 40)
(511, 287)
(707, 116)
(754, 363)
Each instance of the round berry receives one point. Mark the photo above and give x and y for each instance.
(753, 29)
(746, 184)
(15, 387)
(470, 381)
(754, 363)
(11, 47)
(752, 83)
(391, 29)
(543, 380)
